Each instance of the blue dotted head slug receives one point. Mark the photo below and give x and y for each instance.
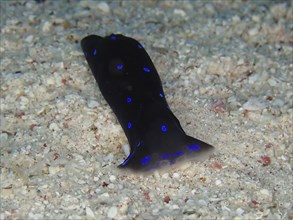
(132, 87)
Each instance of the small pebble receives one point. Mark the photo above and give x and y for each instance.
(54, 127)
(202, 203)
(218, 182)
(272, 82)
(112, 212)
(3, 137)
(103, 6)
(279, 10)
(93, 104)
(175, 207)
(112, 178)
(54, 170)
(105, 196)
(254, 104)
(179, 12)
(47, 26)
(176, 175)
(126, 149)
(89, 213)
(253, 31)
(239, 211)
(29, 39)
(265, 192)
(165, 175)
(155, 211)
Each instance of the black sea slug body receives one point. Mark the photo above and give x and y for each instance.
(132, 87)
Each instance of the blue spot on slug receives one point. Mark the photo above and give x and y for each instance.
(146, 69)
(166, 156)
(129, 99)
(129, 125)
(119, 66)
(164, 128)
(113, 37)
(95, 52)
(194, 147)
(178, 154)
(145, 160)
(139, 46)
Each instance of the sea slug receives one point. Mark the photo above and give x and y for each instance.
(132, 87)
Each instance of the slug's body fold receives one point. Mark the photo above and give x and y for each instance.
(132, 87)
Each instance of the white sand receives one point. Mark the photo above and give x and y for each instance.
(226, 67)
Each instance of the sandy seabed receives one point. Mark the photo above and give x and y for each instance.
(226, 68)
